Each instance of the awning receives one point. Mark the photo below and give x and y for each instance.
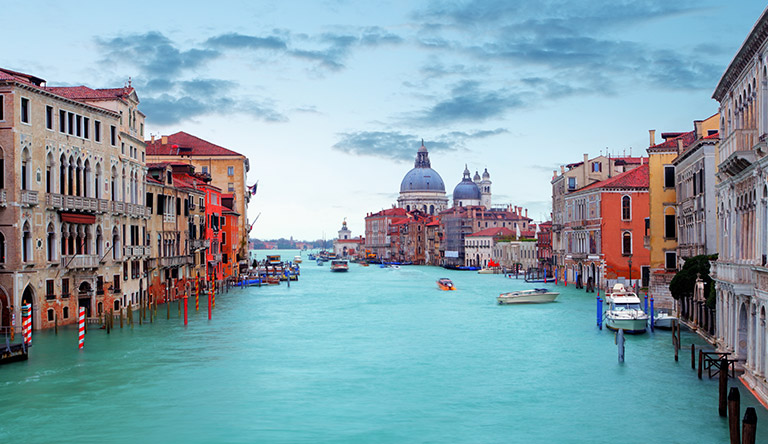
(76, 218)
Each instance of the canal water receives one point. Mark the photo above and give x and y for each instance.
(369, 356)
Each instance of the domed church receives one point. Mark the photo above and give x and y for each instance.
(422, 188)
(473, 191)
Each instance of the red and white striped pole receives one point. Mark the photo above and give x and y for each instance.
(186, 299)
(26, 323)
(81, 324)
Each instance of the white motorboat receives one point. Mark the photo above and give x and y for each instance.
(535, 296)
(663, 319)
(625, 311)
(339, 265)
(297, 259)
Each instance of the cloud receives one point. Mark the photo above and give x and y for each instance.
(467, 102)
(394, 145)
(241, 41)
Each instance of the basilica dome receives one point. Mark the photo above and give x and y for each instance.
(422, 179)
(466, 189)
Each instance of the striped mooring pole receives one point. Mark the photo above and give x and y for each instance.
(26, 323)
(213, 292)
(81, 326)
(197, 293)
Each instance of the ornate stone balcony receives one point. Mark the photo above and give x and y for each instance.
(734, 273)
(29, 197)
(55, 201)
(136, 251)
(80, 261)
(201, 243)
(175, 261)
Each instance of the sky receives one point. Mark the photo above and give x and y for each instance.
(330, 99)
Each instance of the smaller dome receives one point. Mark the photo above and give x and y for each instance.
(476, 178)
(486, 176)
(466, 189)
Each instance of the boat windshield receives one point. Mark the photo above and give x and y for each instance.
(627, 306)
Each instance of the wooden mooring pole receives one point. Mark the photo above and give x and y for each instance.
(693, 356)
(701, 362)
(722, 408)
(749, 426)
(734, 409)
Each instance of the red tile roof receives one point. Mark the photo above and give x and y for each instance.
(671, 142)
(715, 135)
(7, 74)
(85, 93)
(494, 231)
(186, 144)
(390, 212)
(636, 178)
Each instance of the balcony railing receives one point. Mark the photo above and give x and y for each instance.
(737, 140)
(136, 251)
(3, 198)
(80, 261)
(201, 243)
(735, 273)
(175, 261)
(29, 197)
(78, 203)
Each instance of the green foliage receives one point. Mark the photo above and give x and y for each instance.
(684, 282)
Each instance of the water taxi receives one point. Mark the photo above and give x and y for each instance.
(445, 284)
(297, 259)
(624, 311)
(535, 296)
(339, 265)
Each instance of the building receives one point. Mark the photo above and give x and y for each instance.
(573, 177)
(377, 242)
(544, 246)
(479, 246)
(604, 229)
(228, 171)
(696, 205)
(663, 206)
(740, 272)
(345, 245)
(71, 200)
(518, 255)
(422, 188)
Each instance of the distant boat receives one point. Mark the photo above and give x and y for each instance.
(339, 265)
(445, 284)
(535, 296)
(297, 259)
(663, 320)
(624, 311)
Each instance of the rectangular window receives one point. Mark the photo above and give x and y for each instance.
(65, 288)
(62, 121)
(571, 183)
(70, 123)
(112, 135)
(150, 202)
(223, 221)
(100, 285)
(669, 176)
(49, 117)
(669, 226)
(86, 128)
(205, 170)
(49, 292)
(79, 125)
(230, 171)
(116, 283)
(24, 110)
(2, 108)
(231, 186)
(670, 262)
(141, 130)
(122, 148)
(97, 131)
(647, 225)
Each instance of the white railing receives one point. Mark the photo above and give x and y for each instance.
(737, 140)
(173, 261)
(735, 273)
(80, 261)
(29, 197)
(78, 203)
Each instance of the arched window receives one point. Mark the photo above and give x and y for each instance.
(431, 209)
(99, 242)
(115, 244)
(97, 183)
(71, 176)
(626, 208)
(2, 248)
(62, 175)
(49, 173)
(87, 179)
(26, 243)
(626, 243)
(26, 169)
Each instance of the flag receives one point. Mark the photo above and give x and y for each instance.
(253, 188)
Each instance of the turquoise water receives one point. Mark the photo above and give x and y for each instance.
(369, 356)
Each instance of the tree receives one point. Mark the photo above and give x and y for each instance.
(684, 282)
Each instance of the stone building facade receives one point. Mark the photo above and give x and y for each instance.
(72, 211)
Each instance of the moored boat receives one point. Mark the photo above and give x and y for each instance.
(625, 311)
(339, 265)
(662, 319)
(445, 284)
(535, 296)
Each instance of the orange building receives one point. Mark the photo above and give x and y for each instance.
(229, 236)
(606, 224)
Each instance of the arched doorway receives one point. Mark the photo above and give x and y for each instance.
(741, 343)
(84, 296)
(28, 298)
(5, 311)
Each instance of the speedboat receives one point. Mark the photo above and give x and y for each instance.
(535, 296)
(297, 259)
(489, 270)
(339, 265)
(445, 284)
(625, 311)
(393, 266)
(663, 320)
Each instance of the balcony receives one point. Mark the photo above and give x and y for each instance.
(55, 201)
(175, 261)
(136, 251)
(217, 257)
(734, 273)
(29, 197)
(198, 244)
(135, 210)
(80, 261)
(738, 140)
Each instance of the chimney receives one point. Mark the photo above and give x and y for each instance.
(562, 169)
(152, 138)
(526, 212)
(653, 137)
(679, 145)
(164, 140)
(697, 129)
